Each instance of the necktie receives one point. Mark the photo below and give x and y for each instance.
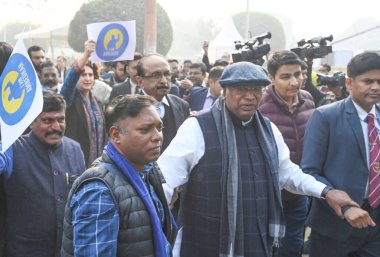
(374, 160)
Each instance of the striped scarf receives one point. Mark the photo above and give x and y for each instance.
(231, 218)
(94, 118)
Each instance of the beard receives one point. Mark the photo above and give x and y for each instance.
(51, 83)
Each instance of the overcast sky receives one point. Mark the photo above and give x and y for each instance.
(309, 18)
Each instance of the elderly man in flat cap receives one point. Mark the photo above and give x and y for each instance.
(235, 163)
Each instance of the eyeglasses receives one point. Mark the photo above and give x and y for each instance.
(158, 76)
(245, 89)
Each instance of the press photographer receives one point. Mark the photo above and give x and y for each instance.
(252, 50)
(335, 83)
(308, 50)
(314, 48)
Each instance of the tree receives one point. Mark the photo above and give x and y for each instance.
(119, 10)
(261, 23)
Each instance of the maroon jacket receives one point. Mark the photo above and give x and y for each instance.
(291, 125)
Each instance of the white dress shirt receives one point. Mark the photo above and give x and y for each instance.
(363, 122)
(188, 147)
(209, 101)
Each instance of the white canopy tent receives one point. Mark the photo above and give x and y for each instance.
(49, 33)
(224, 41)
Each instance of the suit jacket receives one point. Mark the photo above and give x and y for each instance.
(180, 110)
(174, 89)
(197, 98)
(122, 88)
(335, 153)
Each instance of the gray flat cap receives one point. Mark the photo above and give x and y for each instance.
(244, 73)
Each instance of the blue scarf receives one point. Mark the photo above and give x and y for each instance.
(159, 239)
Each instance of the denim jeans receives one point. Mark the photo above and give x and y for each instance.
(295, 211)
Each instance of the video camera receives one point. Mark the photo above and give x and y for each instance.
(309, 49)
(252, 50)
(336, 80)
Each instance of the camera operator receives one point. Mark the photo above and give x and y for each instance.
(223, 61)
(252, 50)
(319, 97)
(308, 50)
(324, 69)
(336, 84)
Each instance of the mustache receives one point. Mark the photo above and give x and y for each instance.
(51, 83)
(163, 87)
(54, 132)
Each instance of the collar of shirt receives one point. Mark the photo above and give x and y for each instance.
(132, 83)
(291, 107)
(133, 86)
(164, 100)
(245, 123)
(238, 122)
(363, 114)
(209, 93)
(364, 124)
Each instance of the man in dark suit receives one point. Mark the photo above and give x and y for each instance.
(118, 74)
(337, 152)
(202, 98)
(129, 86)
(153, 76)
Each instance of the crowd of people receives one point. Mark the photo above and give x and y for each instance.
(153, 157)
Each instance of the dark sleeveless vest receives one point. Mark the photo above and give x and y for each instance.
(36, 195)
(202, 197)
(135, 237)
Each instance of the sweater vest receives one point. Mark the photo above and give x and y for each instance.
(202, 198)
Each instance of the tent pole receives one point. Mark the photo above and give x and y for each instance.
(51, 46)
(246, 34)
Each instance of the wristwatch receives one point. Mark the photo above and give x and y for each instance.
(325, 191)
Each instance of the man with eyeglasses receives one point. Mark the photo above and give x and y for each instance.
(235, 163)
(154, 78)
(289, 108)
